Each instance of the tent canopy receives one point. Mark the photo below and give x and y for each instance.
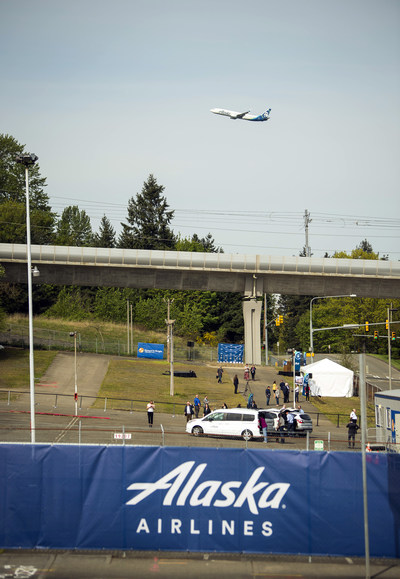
(329, 379)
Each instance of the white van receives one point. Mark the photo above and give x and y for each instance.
(227, 422)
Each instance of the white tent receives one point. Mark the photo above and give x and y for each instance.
(329, 379)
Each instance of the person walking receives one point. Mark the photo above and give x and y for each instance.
(246, 375)
(150, 413)
(353, 427)
(207, 409)
(268, 394)
(197, 404)
(253, 372)
(236, 383)
(296, 393)
(219, 375)
(277, 396)
(307, 392)
(263, 426)
(188, 412)
(205, 401)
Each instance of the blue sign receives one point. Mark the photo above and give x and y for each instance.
(145, 350)
(230, 353)
(197, 499)
(297, 361)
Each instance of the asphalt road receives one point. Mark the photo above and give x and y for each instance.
(72, 565)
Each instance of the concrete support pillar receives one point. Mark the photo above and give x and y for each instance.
(252, 335)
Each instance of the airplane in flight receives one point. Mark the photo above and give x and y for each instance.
(243, 116)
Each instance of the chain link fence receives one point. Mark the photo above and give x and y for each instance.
(46, 339)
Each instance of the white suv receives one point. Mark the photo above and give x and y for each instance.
(227, 422)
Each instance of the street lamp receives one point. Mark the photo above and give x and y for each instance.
(73, 335)
(28, 160)
(322, 298)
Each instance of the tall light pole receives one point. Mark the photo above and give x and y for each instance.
(28, 160)
(322, 298)
(73, 335)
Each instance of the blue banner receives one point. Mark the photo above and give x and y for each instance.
(197, 499)
(297, 361)
(230, 353)
(145, 350)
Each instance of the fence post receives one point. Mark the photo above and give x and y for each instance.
(80, 404)
(9, 394)
(80, 430)
(329, 440)
(123, 435)
(308, 441)
(55, 402)
(131, 410)
(338, 421)
(105, 404)
(317, 418)
(162, 432)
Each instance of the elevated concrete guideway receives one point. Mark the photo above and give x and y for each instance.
(251, 275)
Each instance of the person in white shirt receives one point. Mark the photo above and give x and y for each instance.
(150, 413)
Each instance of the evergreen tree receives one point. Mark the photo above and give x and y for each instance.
(74, 228)
(13, 198)
(12, 177)
(106, 235)
(148, 222)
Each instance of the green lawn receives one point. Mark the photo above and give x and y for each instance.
(145, 380)
(14, 367)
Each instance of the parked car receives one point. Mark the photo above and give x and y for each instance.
(232, 422)
(303, 422)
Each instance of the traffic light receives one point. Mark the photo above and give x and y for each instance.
(387, 324)
(376, 334)
(393, 336)
(277, 321)
(281, 319)
(366, 327)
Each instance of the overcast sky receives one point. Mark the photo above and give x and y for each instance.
(107, 92)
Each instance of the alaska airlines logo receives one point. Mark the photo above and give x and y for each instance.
(180, 486)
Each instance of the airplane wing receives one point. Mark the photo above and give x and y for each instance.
(240, 115)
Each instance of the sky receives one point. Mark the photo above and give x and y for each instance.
(108, 92)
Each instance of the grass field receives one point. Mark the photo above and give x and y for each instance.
(145, 380)
(14, 373)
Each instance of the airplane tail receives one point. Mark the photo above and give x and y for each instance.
(267, 113)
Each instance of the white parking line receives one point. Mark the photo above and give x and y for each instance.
(68, 427)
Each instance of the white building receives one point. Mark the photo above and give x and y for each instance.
(387, 417)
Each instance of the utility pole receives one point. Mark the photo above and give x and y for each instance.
(170, 347)
(307, 220)
(127, 327)
(265, 330)
(389, 312)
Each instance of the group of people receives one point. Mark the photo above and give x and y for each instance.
(284, 424)
(191, 410)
